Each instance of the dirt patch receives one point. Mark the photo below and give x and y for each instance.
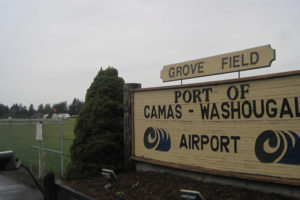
(150, 185)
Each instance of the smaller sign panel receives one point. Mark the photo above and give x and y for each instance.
(39, 131)
(237, 61)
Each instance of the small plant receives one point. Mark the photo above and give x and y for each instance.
(135, 185)
(107, 187)
(120, 195)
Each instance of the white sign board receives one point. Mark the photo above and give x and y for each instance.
(247, 59)
(39, 131)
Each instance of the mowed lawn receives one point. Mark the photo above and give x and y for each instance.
(19, 136)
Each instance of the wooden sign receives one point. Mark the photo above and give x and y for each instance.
(237, 61)
(248, 127)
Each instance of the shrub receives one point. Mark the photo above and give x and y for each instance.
(98, 130)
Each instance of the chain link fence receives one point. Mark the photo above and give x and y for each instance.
(20, 136)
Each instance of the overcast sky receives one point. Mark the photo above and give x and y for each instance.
(51, 50)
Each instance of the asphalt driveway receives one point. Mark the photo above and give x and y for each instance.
(11, 189)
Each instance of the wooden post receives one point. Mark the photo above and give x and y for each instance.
(41, 160)
(50, 187)
(128, 103)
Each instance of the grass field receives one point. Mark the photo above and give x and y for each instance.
(19, 136)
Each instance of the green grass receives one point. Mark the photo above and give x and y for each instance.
(18, 136)
(68, 138)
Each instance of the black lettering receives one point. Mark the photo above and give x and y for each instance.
(146, 113)
(249, 110)
(153, 113)
(214, 111)
(206, 91)
(186, 70)
(204, 140)
(224, 143)
(179, 71)
(254, 58)
(244, 89)
(178, 111)
(261, 114)
(225, 110)
(195, 140)
(162, 111)
(244, 63)
(235, 138)
(224, 62)
(171, 72)
(297, 107)
(196, 95)
(193, 68)
(183, 142)
(286, 109)
(272, 112)
(204, 110)
(233, 110)
(177, 95)
(235, 90)
(200, 67)
(170, 112)
(216, 146)
(236, 60)
(187, 96)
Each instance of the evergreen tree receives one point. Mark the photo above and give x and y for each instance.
(41, 108)
(61, 107)
(4, 111)
(98, 131)
(18, 111)
(47, 109)
(31, 111)
(75, 107)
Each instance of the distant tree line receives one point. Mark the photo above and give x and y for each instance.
(20, 111)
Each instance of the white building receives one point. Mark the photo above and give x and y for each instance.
(61, 116)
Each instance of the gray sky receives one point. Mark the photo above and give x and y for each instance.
(50, 50)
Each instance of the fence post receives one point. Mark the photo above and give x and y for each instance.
(50, 187)
(128, 123)
(10, 146)
(41, 160)
(39, 138)
(31, 144)
(62, 148)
